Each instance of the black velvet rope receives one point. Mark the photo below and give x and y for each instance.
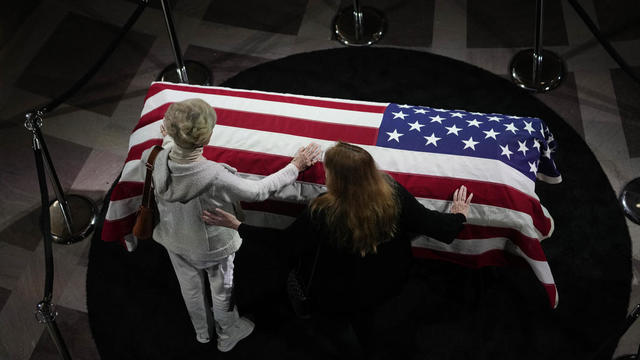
(85, 79)
(603, 41)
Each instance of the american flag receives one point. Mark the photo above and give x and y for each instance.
(430, 151)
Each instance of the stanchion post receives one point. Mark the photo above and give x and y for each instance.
(73, 217)
(186, 72)
(537, 69)
(359, 26)
(45, 311)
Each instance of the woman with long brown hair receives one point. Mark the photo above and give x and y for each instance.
(360, 231)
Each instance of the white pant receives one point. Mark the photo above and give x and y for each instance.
(191, 277)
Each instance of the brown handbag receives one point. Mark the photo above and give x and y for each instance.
(147, 216)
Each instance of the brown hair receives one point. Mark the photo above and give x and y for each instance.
(360, 206)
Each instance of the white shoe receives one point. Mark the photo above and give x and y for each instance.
(229, 337)
(203, 339)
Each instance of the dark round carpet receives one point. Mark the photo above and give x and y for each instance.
(136, 311)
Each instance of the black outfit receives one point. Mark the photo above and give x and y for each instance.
(346, 285)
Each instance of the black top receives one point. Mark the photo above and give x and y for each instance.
(343, 280)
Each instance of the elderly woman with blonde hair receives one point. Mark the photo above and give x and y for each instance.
(185, 183)
(353, 242)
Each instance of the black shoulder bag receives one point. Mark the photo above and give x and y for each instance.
(299, 292)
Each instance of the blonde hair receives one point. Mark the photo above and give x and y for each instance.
(190, 122)
(360, 207)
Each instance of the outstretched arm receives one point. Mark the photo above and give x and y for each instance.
(441, 226)
(238, 188)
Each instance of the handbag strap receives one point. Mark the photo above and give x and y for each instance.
(147, 192)
(313, 270)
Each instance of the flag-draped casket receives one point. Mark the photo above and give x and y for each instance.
(430, 151)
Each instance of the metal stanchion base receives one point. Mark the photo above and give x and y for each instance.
(373, 26)
(551, 74)
(83, 215)
(630, 200)
(197, 73)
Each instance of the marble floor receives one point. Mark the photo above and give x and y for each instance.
(45, 45)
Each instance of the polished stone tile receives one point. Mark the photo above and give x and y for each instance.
(318, 18)
(72, 49)
(17, 323)
(618, 20)
(279, 16)
(19, 187)
(603, 129)
(409, 23)
(24, 232)
(565, 102)
(627, 94)
(497, 23)
(13, 262)
(222, 64)
(450, 24)
(74, 295)
(74, 327)
(12, 15)
(4, 296)
(98, 174)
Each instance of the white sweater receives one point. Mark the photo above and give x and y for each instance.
(183, 191)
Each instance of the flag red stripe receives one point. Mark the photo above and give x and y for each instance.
(116, 230)
(363, 135)
(126, 189)
(135, 153)
(152, 116)
(281, 98)
(440, 188)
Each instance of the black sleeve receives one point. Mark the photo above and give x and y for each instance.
(441, 226)
(290, 241)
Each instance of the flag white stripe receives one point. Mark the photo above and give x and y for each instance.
(317, 113)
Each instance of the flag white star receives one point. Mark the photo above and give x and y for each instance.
(514, 117)
(533, 167)
(550, 138)
(470, 143)
(436, 118)
(523, 147)
(394, 135)
(405, 106)
(474, 122)
(511, 128)
(415, 126)
(547, 153)
(476, 113)
(420, 111)
(491, 134)
(536, 144)
(441, 110)
(542, 130)
(432, 140)
(528, 127)
(457, 114)
(506, 151)
(494, 118)
(453, 130)
(399, 114)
